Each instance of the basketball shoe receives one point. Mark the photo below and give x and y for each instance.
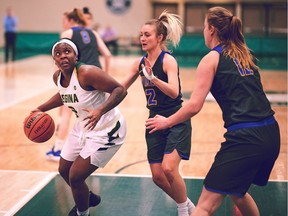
(94, 200)
(53, 155)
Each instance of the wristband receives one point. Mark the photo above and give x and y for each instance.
(149, 77)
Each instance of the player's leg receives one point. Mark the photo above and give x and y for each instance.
(178, 147)
(6, 47)
(155, 144)
(160, 179)
(170, 166)
(166, 176)
(61, 133)
(13, 46)
(80, 170)
(208, 203)
(64, 169)
(246, 205)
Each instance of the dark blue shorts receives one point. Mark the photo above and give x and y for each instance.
(246, 157)
(165, 141)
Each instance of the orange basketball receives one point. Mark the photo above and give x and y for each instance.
(39, 127)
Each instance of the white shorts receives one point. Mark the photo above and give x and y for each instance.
(100, 145)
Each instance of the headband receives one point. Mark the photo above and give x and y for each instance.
(69, 42)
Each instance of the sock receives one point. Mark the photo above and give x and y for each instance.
(182, 205)
(190, 205)
(83, 213)
(182, 209)
(58, 144)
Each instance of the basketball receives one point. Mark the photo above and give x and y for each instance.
(39, 127)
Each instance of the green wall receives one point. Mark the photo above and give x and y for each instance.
(270, 51)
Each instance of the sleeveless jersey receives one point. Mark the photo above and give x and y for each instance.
(239, 92)
(86, 42)
(156, 99)
(76, 98)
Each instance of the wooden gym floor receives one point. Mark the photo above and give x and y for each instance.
(30, 183)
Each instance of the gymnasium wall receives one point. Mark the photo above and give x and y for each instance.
(40, 23)
(46, 16)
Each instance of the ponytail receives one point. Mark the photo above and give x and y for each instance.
(170, 26)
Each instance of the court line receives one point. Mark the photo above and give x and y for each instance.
(122, 175)
(24, 98)
(32, 193)
(51, 175)
(128, 165)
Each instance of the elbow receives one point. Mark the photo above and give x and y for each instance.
(193, 108)
(174, 95)
(108, 56)
(123, 92)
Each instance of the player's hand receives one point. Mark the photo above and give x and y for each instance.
(92, 119)
(35, 110)
(157, 123)
(147, 70)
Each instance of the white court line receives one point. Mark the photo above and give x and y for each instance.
(150, 176)
(122, 175)
(21, 99)
(32, 192)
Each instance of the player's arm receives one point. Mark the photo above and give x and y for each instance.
(131, 76)
(92, 77)
(204, 78)
(104, 51)
(54, 101)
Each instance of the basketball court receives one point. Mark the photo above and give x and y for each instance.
(30, 185)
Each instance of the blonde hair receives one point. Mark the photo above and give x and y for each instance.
(229, 31)
(170, 26)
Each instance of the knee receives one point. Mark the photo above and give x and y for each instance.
(169, 173)
(63, 172)
(74, 179)
(157, 179)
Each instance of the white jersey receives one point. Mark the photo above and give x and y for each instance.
(76, 98)
(101, 143)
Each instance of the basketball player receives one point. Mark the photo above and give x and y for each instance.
(166, 148)
(252, 140)
(89, 42)
(100, 128)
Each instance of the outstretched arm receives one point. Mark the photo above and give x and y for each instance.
(204, 77)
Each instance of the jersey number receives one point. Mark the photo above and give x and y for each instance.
(85, 37)
(151, 97)
(243, 72)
